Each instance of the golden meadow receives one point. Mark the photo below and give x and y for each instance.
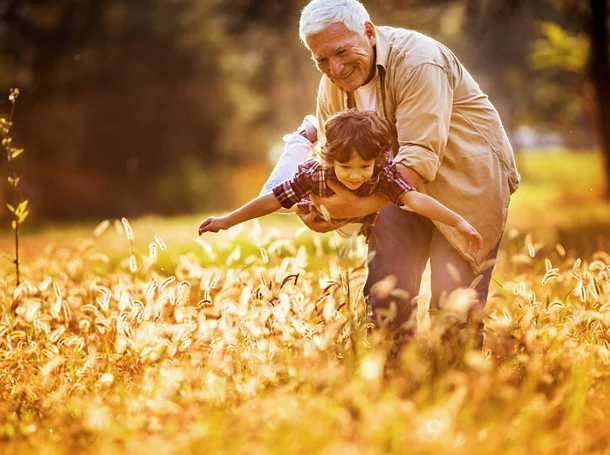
(141, 338)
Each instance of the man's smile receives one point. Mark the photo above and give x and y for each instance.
(348, 74)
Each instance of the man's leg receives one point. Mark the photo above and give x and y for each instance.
(400, 244)
(442, 257)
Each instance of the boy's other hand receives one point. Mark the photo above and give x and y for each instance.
(474, 241)
(213, 224)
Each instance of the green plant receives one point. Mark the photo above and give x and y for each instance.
(19, 207)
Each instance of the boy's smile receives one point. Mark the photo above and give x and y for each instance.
(355, 172)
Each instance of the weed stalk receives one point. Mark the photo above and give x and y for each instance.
(19, 208)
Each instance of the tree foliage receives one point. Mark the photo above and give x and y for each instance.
(120, 94)
(138, 106)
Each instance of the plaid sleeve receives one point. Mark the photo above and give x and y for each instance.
(300, 185)
(392, 185)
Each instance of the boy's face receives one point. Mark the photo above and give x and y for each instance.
(355, 172)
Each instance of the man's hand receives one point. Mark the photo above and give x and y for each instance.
(214, 224)
(345, 204)
(315, 223)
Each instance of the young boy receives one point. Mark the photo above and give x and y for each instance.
(357, 155)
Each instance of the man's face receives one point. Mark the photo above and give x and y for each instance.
(347, 58)
(355, 172)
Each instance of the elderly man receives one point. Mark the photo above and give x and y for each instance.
(451, 146)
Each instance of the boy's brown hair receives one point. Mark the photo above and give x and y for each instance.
(365, 131)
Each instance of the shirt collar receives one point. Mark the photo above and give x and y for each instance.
(382, 47)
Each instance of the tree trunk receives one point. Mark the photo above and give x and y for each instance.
(600, 76)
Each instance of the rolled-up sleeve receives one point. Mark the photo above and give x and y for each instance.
(424, 103)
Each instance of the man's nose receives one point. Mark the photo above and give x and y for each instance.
(335, 66)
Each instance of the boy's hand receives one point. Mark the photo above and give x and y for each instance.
(213, 224)
(474, 241)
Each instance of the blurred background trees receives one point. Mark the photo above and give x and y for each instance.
(164, 105)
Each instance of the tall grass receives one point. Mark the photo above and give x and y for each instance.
(18, 207)
(256, 354)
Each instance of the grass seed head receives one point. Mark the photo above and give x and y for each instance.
(101, 228)
(152, 248)
(127, 227)
(264, 256)
(161, 243)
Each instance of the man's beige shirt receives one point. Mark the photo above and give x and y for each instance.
(448, 131)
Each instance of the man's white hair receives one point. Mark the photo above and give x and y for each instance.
(318, 14)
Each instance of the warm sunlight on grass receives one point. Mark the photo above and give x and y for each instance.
(252, 341)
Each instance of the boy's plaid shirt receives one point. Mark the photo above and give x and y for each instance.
(311, 177)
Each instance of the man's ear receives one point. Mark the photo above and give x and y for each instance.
(370, 32)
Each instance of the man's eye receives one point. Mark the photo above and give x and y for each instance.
(341, 53)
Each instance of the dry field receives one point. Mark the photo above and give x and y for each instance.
(252, 342)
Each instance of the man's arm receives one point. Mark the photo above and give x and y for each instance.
(313, 222)
(423, 118)
(261, 206)
(345, 204)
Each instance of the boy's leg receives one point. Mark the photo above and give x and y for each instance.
(399, 244)
(298, 148)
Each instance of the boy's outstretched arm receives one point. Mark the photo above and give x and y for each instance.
(261, 206)
(429, 207)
